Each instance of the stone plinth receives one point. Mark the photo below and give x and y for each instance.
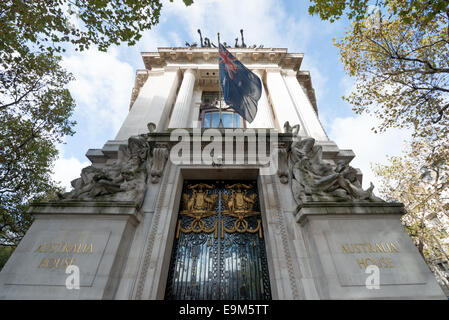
(94, 236)
(344, 239)
(328, 209)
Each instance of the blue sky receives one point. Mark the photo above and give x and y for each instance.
(104, 81)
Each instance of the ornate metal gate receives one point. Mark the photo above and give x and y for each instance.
(219, 250)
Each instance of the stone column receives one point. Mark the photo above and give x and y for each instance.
(195, 114)
(284, 108)
(264, 117)
(302, 103)
(181, 110)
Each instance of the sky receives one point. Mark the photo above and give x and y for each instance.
(104, 80)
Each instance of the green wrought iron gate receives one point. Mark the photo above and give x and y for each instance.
(219, 250)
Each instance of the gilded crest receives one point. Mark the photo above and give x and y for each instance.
(240, 204)
(198, 205)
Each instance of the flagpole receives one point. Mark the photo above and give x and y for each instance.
(220, 89)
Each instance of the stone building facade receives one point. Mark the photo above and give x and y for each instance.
(179, 206)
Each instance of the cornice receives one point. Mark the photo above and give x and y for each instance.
(277, 56)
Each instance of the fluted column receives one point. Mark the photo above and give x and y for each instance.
(181, 109)
(264, 116)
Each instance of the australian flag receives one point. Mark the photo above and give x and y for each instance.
(241, 87)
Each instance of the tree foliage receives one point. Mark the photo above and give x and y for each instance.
(420, 180)
(5, 252)
(50, 23)
(357, 10)
(35, 110)
(399, 57)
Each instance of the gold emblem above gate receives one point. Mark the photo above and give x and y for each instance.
(240, 204)
(199, 205)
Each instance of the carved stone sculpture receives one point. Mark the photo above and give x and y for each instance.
(289, 129)
(283, 169)
(206, 43)
(126, 178)
(316, 180)
(160, 156)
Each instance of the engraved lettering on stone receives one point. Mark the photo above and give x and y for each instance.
(364, 248)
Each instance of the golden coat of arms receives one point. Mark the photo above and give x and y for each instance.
(238, 202)
(198, 205)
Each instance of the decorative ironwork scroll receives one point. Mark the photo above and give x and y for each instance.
(230, 266)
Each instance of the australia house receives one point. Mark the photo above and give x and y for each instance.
(189, 200)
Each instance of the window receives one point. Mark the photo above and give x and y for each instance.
(210, 112)
(229, 119)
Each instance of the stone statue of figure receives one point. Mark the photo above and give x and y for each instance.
(130, 185)
(317, 180)
(201, 39)
(151, 127)
(289, 129)
(243, 40)
(82, 185)
(123, 180)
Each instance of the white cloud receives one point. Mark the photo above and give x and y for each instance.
(102, 87)
(355, 133)
(319, 80)
(67, 169)
(348, 85)
(150, 41)
(264, 22)
(176, 40)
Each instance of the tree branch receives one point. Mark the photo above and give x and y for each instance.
(33, 88)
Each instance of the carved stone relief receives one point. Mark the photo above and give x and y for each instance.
(283, 169)
(126, 178)
(159, 158)
(316, 180)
